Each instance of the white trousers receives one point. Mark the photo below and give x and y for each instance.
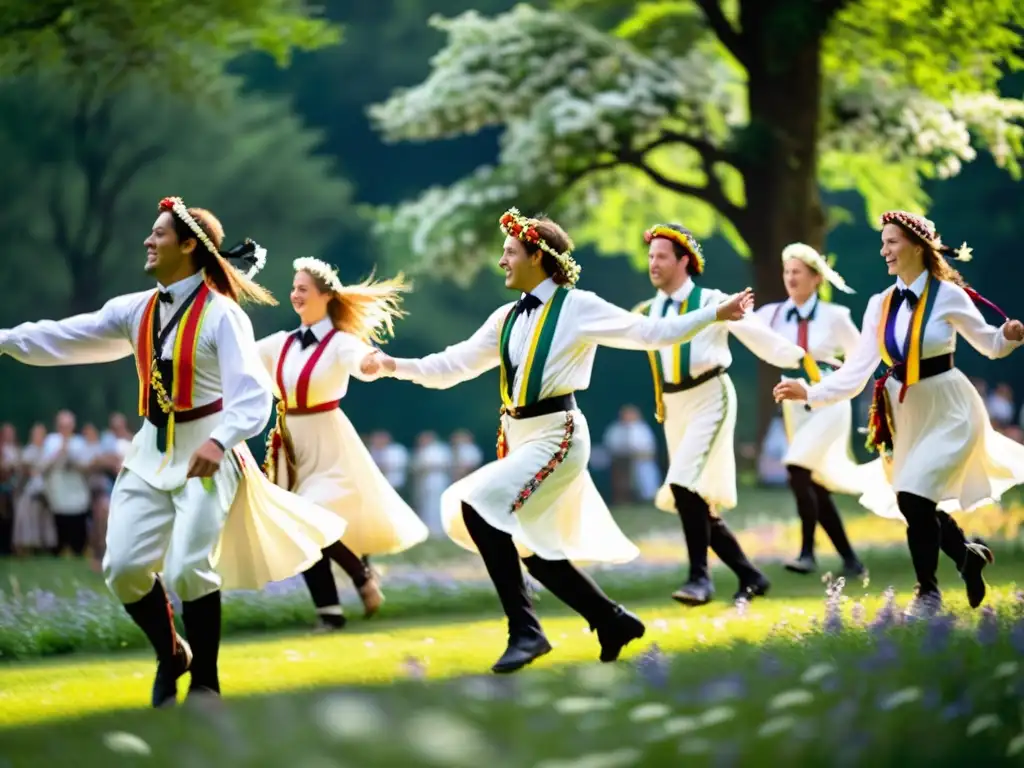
(150, 531)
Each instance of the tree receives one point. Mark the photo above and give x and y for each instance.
(730, 116)
(84, 172)
(184, 44)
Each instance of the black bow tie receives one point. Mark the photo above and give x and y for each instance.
(908, 296)
(306, 337)
(793, 314)
(527, 304)
(165, 296)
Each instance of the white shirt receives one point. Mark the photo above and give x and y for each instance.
(330, 376)
(227, 361)
(830, 334)
(67, 492)
(586, 321)
(710, 348)
(952, 313)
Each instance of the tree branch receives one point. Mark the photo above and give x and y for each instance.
(48, 19)
(726, 32)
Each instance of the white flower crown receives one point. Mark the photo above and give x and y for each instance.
(259, 254)
(815, 261)
(321, 270)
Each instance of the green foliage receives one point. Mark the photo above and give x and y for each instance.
(180, 44)
(85, 171)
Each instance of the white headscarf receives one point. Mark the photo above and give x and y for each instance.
(815, 261)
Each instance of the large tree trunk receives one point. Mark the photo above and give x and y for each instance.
(783, 202)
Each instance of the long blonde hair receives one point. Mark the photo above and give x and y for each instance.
(368, 309)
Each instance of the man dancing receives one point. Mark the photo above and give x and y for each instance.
(538, 501)
(188, 474)
(696, 401)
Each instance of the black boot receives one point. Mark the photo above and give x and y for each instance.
(358, 569)
(695, 517)
(923, 540)
(324, 592)
(155, 618)
(807, 508)
(202, 627)
(727, 547)
(615, 626)
(832, 524)
(526, 640)
(970, 557)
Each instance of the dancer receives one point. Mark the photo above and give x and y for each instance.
(538, 501)
(696, 401)
(927, 420)
(313, 449)
(819, 460)
(190, 500)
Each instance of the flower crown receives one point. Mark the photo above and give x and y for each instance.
(321, 270)
(514, 224)
(687, 241)
(815, 261)
(248, 250)
(925, 229)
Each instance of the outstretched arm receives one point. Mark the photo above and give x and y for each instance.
(96, 337)
(604, 323)
(767, 344)
(963, 314)
(849, 380)
(456, 364)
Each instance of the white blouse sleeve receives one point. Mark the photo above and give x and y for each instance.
(849, 380)
(95, 337)
(457, 363)
(963, 314)
(601, 322)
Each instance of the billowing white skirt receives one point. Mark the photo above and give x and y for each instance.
(945, 449)
(819, 441)
(541, 494)
(335, 471)
(699, 427)
(269, 534)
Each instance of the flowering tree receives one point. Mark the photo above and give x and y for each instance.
(727, 115)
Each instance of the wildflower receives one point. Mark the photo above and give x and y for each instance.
(887, 614)
(956, 709)
(653, 667)
(817, 672)
(775, 726)
(899, 698)
(857, 613)
(791, 698)
(649, 711)
(988, 626)
(982, 723)
(414, 668)
(940, 629)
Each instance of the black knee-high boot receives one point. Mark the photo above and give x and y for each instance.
(807, 508)
(357, 569)
(696, 519)
(614, 624)
(970, 557)
(202, 627)
(322, 588)
(155, 617)
(923, 540)
(832, 524)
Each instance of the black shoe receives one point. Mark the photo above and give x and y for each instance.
(696, 592)
(203, 700)
(978, 556)
(752, 589)
(329, 622)
(804, 564)
(854, 569)
(165, 684)
(520, 652)
(623, 628)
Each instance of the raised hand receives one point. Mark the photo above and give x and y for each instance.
(1013, 330)
(736, 305)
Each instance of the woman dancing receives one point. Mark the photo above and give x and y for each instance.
(818, 459)
(927, 419)
(313, 449)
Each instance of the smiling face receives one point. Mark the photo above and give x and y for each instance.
(801, 281)
(902, 255)
(165, 254)
(523, 271)
(666, 270)
(308, 301)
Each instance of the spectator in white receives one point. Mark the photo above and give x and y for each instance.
(104, 464)
(770, 469)
(9, 454)
(391, 457)
(466, 454)
(65, 464)
(643, 451)
(117, 438)
(34, 529)
(431, 469)
(999, 405)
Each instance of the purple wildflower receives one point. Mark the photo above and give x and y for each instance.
(988, 626)
(723, 689)
(938, 634)
(959, 708)
(886, 654)
(887, 614)
(1017, 636)
(653, 666)
(857, 613)
(769, 665)
(414, 668)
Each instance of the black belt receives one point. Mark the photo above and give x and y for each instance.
(930, 366)
(696, 381)
(542, 407)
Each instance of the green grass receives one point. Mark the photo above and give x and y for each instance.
(705, 686)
